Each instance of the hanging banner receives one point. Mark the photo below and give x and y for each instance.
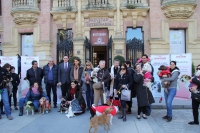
(177, 41)
(156, 62)
(184, 63)
(27, 45)
(99, 37)
(12, 60)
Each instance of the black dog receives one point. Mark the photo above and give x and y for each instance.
(63, 105)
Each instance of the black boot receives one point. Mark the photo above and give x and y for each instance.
(21, 110)
(121, 117)
(124, 118)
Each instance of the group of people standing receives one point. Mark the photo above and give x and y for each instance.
(74, 79)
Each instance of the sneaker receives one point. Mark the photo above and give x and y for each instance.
(193, 123)
(147, 114)
(36, 110)
(9, 117)
(55, 106)
(165, 117)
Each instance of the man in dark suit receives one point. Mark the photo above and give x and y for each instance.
(34, 74)
(64, 75)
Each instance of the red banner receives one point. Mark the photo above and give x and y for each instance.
(99, 37)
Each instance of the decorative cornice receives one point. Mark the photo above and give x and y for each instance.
(179, 9)
(25, 16)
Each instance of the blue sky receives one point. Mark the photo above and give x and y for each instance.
(131, 33)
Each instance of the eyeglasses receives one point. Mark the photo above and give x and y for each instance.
(123, 68)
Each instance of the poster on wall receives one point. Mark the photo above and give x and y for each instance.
(177, 41)
(12, 60)
(27, 45)
(184, 63)
(99, 37)
(156, 62)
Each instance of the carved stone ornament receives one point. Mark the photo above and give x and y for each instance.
(179, 11)
(25, 17)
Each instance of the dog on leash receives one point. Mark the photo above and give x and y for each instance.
(101, 120)
(42, 103)
(29, 106)
(70, 113)
(100, 109)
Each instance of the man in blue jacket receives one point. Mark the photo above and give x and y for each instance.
(50, 72)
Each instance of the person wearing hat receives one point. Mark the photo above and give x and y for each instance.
(194, 87)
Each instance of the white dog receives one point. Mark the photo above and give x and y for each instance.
(70, 113)
(94, 74)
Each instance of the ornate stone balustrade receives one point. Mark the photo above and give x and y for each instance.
(64, 5)
(177, 9)
(25, 11)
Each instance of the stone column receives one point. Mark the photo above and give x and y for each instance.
(79, 31)
(118, 40)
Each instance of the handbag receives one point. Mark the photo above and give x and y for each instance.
(195, 96)
(126, 94)
(76, 108)
(98, 85)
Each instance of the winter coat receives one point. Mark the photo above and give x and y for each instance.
(15, 79)
(124, 80)
(54, 71)
(106, 76)
(144, 96)
(80, 71)
(30, 96)
(30, 74)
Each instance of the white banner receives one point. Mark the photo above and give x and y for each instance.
(184, 63)
(177, 41)
(27, 45)
(12, 60)
(156, 62)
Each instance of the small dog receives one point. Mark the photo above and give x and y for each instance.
(164, 70)
(42, 102)
(29, 106)
(101, 120)
(63, 105)
(94, 74)
(70, 112)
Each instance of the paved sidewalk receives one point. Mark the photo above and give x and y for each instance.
(55, 122)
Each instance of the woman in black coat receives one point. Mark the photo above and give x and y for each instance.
(144, 96)
(15, 82)
(123, 80)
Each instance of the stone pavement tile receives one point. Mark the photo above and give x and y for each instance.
(143, 126)
(7, 131)
(155, 127)
(178, 123)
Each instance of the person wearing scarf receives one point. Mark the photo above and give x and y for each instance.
(171, 90)
(34, 94)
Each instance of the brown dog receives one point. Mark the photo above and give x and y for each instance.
(42, 102)
(103, 119)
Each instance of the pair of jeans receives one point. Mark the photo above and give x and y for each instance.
(89, 96)
(22, 103)
(148, 109)
(195, 107)
(168, 99)
(4, 97)
(49, 87)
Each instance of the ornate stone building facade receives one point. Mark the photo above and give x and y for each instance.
(59, 27)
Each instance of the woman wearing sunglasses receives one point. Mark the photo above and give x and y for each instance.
(123, 80)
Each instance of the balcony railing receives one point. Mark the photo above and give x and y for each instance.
(168, 2)
(63, 5)
(25, 3)
(131, 4)
(134, 1)
(99, 4)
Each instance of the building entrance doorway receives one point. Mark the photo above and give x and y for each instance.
(99, 53)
